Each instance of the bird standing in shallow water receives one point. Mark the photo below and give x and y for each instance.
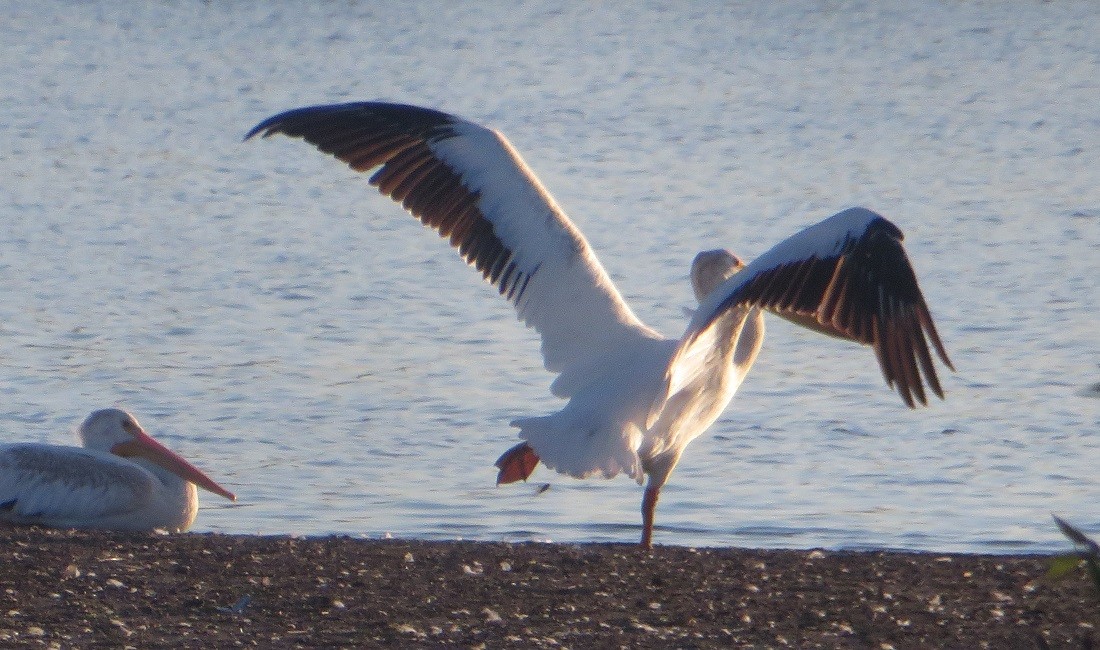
(121, 479)
(636, 398)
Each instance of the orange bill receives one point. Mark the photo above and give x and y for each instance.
(145, 446)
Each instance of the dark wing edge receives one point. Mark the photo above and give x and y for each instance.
(867, 292)
(397, 138)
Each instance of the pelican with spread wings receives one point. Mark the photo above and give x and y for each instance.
(635, 398)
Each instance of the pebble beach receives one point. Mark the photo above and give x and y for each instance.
(67, 589)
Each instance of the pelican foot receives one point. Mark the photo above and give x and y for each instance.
(516, 464)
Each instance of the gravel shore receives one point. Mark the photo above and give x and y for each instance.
(92, 589)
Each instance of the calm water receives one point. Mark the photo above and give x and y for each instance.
(265, 312)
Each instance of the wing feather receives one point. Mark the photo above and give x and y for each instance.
(473, 188)
(847, 276)
(68, 486)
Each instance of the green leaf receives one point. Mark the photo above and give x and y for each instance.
(1062, 566)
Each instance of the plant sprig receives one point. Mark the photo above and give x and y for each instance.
(1088, 555)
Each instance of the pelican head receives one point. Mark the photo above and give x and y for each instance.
(105, 428)
(117, 432)
(711, 268)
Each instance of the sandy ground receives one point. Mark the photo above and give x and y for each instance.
(90, 589)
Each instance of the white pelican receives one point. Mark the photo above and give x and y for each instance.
(121, 479)
(636, 398)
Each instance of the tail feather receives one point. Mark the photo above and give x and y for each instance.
(582, 451)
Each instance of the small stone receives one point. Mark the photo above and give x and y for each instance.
(121, 626)
(1001, 597)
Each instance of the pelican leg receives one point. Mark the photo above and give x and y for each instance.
(649, 506)
(516, 464)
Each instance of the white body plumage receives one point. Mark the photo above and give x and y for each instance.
(121, 479)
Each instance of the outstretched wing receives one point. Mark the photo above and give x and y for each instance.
(68, 486)
(847, 276)
(471, 186)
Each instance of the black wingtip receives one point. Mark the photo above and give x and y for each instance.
(273, 124)
(883, 225)
(256, 129)
(289, 122)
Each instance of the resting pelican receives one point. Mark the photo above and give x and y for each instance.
(636, 398)
(121, 479)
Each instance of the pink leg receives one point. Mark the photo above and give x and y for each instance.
(649, 506)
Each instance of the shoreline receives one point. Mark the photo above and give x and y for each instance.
(82, 588)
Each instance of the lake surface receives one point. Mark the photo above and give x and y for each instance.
(265, 312)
